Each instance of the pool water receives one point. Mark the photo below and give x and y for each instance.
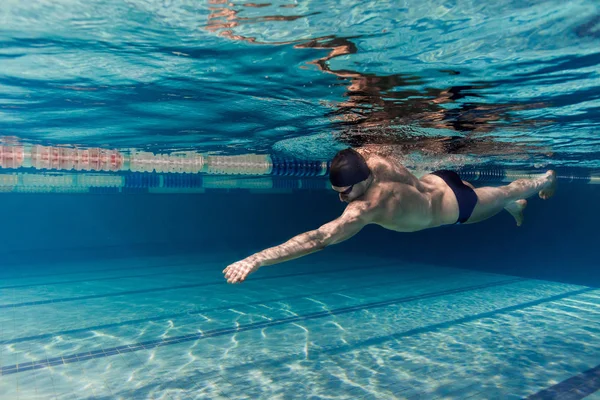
(145, 145)
(167, 327)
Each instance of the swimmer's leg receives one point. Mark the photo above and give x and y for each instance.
(492, 200)
(516, 210)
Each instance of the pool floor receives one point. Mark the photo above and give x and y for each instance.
(316, 328)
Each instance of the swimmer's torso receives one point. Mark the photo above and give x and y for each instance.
(398, 201)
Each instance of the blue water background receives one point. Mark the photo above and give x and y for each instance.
(557, 242)
(518, 80)
(512, 83)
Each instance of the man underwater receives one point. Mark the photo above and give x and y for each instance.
(380, 191)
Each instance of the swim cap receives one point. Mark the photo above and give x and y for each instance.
(348, 168)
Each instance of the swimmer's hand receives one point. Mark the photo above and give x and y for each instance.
(238, 271)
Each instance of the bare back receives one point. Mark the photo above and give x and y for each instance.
(399, 201)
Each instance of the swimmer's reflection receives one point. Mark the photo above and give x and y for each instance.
(384, 110)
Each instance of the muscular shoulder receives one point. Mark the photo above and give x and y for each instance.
(362, 209)
(377, 163)
(389, 170)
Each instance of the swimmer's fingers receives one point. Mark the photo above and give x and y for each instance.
(232, 272)
(229, 271)
(237, 272)
(232, 277)
(241, 273)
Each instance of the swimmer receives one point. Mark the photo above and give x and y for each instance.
(383, 192)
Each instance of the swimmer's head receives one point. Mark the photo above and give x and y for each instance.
(349, 175)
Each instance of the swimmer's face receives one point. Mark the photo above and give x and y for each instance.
(345, 193)
(351, 193)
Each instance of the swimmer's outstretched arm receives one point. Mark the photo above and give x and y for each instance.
(336, 231)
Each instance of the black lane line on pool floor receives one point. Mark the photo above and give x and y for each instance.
(574, 388)
(108, 278)
(225, 307)
(91, 272)
(315, 354)
(114, 277)
(54, 361)
(188, 286)
(79, 270)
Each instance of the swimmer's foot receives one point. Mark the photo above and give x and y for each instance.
(548, 192)
(516, 210)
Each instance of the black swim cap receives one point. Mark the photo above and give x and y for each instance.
(348, 168)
